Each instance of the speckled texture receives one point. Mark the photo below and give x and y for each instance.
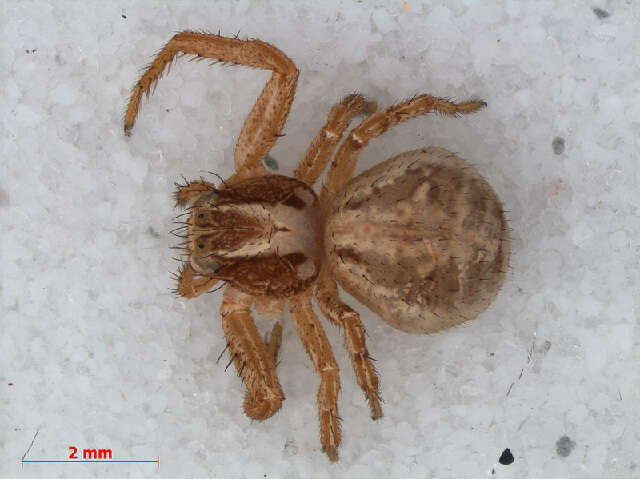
(96, 352)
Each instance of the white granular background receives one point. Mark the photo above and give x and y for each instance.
(95, 352)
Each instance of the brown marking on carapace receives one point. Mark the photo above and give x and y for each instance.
(259, 234)
(267, 275)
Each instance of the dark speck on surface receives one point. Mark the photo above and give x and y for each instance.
(600, 13)
(558, 145)
(564, 446)
(271, 163)
(506, 458)
(153, 232)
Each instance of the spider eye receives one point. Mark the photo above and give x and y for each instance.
(200, 245)
(201, 215)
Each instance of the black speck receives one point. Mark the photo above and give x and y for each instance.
(123, 16)
(153, 232)
(167, 110)
(601, 13)
(564, 446)
(271, 163)
(558, 145)
(506, 458)
(10, 384)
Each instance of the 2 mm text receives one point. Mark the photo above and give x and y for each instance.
(90, 453)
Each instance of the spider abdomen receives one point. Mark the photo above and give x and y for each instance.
(420, 239)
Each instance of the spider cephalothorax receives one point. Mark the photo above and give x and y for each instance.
(261, 235)
(420, 238)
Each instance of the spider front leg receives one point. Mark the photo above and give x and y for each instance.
(254, 362)
(267, 117)
(318, 348)
(344, 163)
(323, 145)
(342, 315)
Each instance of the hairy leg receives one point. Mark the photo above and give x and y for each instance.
(339, 313)
(272, 308)
(323, 145)
(344, 163)
(273, 346)
(270, 111)
(253, 360)
(318, 348)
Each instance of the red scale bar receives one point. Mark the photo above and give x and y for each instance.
(82, 460)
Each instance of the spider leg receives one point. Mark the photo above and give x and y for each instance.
(253, 360)
(192, 286)
(339, 313)
(323, 145)
(267, 117)
(344, 162)
(273, 347)
(318, 348)
(271, 308)
(274, 341)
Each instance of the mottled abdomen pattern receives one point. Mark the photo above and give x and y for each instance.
(420, 239)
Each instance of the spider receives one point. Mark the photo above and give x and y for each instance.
(420, 239)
